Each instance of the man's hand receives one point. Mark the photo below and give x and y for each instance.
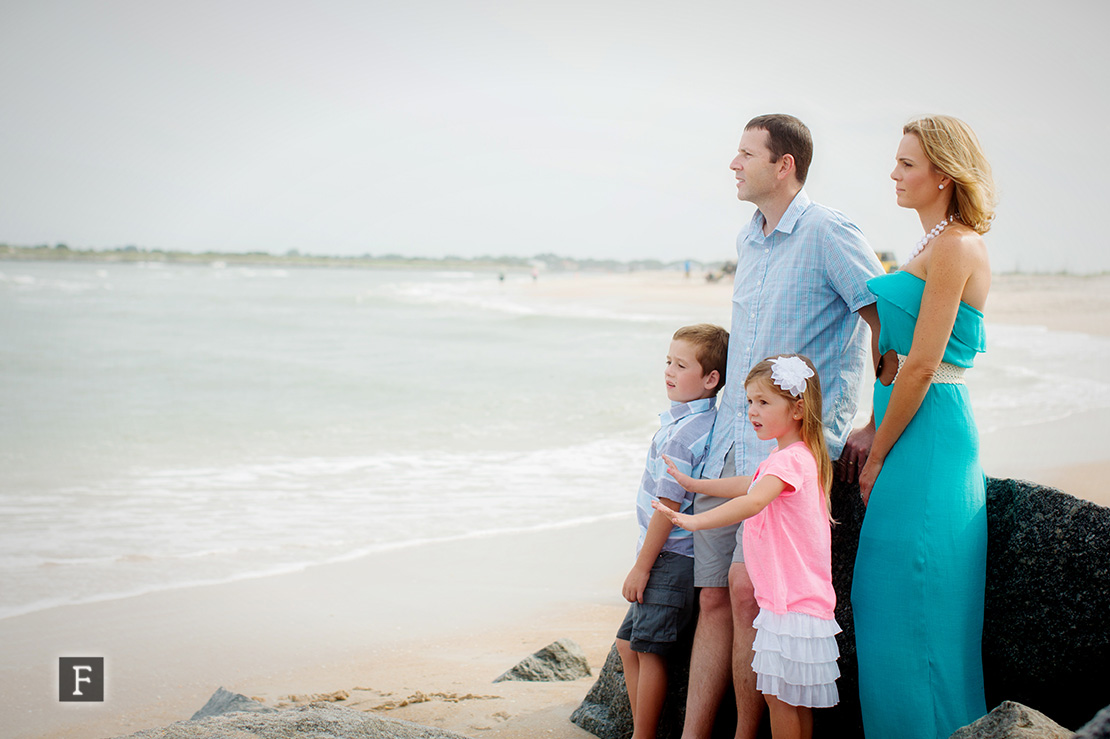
(855, 452)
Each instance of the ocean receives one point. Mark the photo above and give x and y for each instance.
(163, 426)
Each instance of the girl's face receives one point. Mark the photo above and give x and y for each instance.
(772, 415)
(916, 181)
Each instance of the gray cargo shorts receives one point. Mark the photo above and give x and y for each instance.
(716, 549)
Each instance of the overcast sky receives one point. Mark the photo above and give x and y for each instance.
(579, 127)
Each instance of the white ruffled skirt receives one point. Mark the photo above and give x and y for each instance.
(795, 658)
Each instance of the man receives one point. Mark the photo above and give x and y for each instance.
(800, 287)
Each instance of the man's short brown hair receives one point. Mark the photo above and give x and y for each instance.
(787, 135)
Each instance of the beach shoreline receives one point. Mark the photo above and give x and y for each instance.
(443, 620)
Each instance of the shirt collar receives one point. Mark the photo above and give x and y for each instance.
(681, 410)
(786, 224)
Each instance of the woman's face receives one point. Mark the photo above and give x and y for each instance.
(916, 181)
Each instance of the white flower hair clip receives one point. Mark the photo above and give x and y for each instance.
(790, 374)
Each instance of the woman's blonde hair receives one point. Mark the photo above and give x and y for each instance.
(813, 428)
(954, 150)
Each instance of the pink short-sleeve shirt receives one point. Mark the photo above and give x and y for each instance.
(788, 545)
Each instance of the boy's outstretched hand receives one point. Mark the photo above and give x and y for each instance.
(681, 520)
(682, 479)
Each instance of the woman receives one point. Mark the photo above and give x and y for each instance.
(917, 594)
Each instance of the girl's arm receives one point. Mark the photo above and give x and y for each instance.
(725, 487)
(736, 510)
(950, 266)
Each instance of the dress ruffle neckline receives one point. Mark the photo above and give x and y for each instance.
(904, 290)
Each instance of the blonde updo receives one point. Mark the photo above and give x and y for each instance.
(954, 150)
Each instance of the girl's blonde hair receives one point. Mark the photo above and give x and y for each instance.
(952, 147)
(813, 428)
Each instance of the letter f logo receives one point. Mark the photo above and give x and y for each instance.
(81, 679)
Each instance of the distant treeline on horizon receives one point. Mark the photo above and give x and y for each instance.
(293, 257)
(712, 271)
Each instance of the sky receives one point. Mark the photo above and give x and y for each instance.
(584, 128)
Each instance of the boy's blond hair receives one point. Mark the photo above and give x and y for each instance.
(710, 344)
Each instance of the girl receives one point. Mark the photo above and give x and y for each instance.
(787, 542)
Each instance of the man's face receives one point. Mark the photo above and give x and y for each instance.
(755, 172)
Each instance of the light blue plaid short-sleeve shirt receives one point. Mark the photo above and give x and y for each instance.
(796, 291)
(684, 437)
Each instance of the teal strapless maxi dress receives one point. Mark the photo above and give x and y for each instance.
(917, 591)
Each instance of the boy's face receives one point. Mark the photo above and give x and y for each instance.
(683, 375)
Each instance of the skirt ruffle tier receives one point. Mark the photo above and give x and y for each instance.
(795, 658)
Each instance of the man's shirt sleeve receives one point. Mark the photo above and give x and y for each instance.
(850, 262)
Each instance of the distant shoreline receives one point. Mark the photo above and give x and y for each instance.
(549, 263)
(545, 262)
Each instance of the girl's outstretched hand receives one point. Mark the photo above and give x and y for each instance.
(681, 520)
(682, 479)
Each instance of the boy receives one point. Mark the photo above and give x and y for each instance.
(660, 585)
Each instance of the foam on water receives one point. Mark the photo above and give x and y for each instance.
(243, 457)
(1030, 375)
(173, 528)
(489, 297)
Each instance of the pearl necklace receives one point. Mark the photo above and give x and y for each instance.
(929, 237)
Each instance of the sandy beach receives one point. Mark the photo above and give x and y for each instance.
(420, 633)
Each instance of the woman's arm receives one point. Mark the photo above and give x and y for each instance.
(954, 259)
(724, 487)
(734, 511)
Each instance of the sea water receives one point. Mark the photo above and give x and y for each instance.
(163, 426)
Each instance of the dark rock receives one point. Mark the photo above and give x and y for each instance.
(845, 718)
(1098, 727)
(1013, 721)
(224, 701)
(606, 713)
(560, 660)
(1046, 631)
(1046, 636)
(318, 720)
